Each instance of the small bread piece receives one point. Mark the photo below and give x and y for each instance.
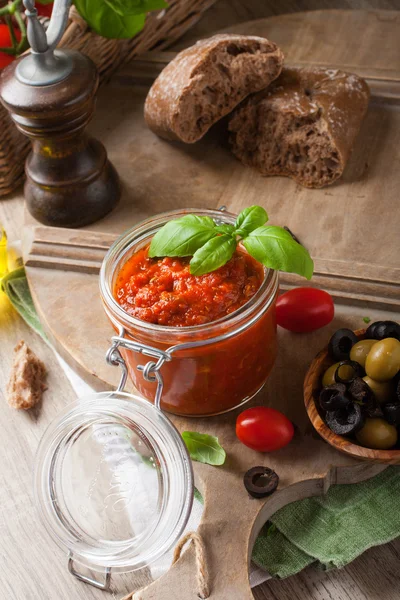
(26, 384)
(206, 81)
(303, 126)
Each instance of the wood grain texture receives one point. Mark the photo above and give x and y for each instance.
(327, 221)
(312, 387)
(46, 577)
(228, 13)
(153, 172)
(372, 576)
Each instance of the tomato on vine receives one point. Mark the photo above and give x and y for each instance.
(44, 9)
(6, 42)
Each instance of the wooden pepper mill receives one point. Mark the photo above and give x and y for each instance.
(51, 97)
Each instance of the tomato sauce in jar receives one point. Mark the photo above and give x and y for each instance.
(225, 319)
(162, 290)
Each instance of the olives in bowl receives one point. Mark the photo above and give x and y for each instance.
(352, 392)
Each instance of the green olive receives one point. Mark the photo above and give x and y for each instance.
(360, 351)
(383, 390)
(383, 360)
(377, 434)
(346, 372)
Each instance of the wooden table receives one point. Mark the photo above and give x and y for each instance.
(32, 568)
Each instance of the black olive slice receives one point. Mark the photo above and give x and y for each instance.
(260, 481)
(333, 397)
(370, 333)
(391, 412)
(387, 329)
(360, 391)
(345, 420)
(374, 411)
(341, 343)
(357, 371)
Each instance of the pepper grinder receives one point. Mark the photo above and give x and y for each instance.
(50, 95)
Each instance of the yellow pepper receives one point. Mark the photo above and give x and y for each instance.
(10, 255)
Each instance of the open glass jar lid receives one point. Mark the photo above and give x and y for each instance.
(113, 483)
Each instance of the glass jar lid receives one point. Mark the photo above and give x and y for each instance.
(113, 482)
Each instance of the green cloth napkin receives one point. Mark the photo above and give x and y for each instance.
(329, 531)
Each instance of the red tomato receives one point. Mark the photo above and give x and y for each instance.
(5, 42)
(264, 429)
(44, 10)
(304, 309)
(5, 60)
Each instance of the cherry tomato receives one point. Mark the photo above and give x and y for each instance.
(304, 309)
(264, 429)
(44, 10)
(5, 42)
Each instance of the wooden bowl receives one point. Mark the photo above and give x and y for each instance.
(312, 387)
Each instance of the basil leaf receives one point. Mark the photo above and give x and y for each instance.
(276, 249)
(135, 7)
(204, 448)
(106, 21)
(182, 237)
(225, 228)
(250, 218)
(215, 253)
(197, 496)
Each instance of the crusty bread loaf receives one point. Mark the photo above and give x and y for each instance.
(26, 384)
(303, 126)
(206, 81)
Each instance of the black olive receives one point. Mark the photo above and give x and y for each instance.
(341, 343)
(360, 391)
(387, 329)
(358, 371)
(374, 410)
(333, 397)
(260, 481)
(370, 333)
(345, 420)
(391, 412)
(397, 390)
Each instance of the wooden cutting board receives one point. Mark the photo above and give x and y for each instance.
(350, 228)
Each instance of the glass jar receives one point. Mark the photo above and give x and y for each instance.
(204, 369)
(113, 484)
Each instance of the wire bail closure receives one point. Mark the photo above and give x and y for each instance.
(150, 371)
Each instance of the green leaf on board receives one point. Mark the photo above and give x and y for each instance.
(204, 448)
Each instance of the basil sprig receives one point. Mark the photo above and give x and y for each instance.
(117, 19)
(212, 245)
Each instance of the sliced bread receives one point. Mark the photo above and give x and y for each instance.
(303, 126)
(206, 81)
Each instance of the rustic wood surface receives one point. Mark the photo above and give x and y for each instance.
(49, 568)
(307, 466)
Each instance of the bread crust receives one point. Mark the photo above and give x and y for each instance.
(206, 81)
(27, 379)
(303, 126)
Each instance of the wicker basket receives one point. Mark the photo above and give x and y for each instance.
(161, 29)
